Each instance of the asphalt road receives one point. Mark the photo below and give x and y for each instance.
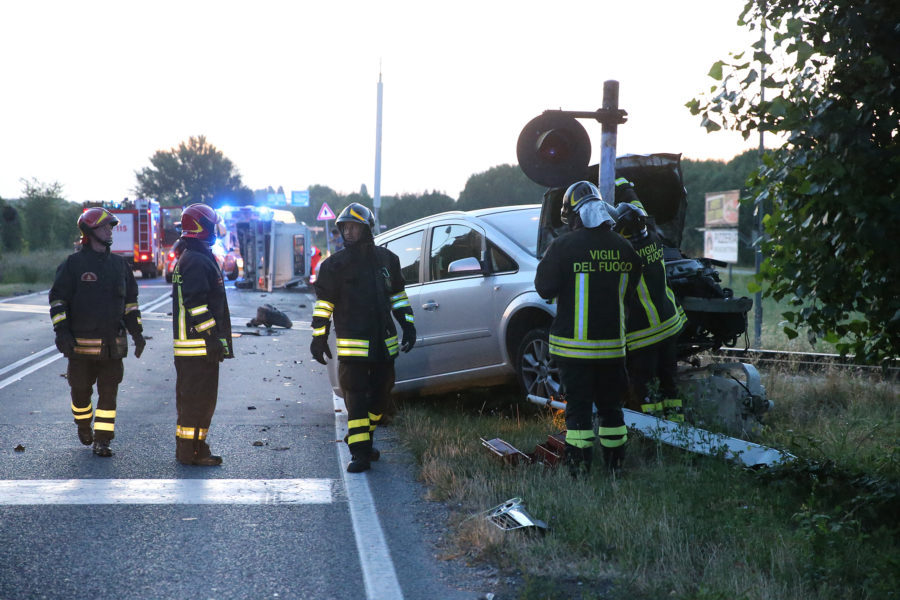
(280, 519)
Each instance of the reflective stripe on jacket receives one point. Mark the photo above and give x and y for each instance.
(590, 272)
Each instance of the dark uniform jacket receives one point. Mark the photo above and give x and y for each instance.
(199, 305)
(361, 286)
(590, 272)
(653, 313)
(95, 296)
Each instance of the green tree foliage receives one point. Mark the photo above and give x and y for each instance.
(499, 186)
(409, 207)
(11, 238)
(704, 176)
(50, 222)
(832, 78)
(195, 171)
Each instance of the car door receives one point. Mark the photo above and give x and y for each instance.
(454, 305)
(408, 248)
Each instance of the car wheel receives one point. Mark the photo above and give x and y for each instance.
(535, 368)
(234, 273)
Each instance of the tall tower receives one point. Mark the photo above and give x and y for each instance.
(377, 199)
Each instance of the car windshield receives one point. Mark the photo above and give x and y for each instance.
(520, 225)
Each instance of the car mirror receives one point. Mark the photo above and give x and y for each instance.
(464, 266)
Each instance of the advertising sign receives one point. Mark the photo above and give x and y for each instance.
(721, 244)
(722, 208)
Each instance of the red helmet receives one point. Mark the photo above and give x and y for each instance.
(92, 218)
(199, 221)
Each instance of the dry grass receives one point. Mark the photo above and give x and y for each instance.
(678, 525)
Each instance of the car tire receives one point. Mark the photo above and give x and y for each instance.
(234, 273)
(536, 370)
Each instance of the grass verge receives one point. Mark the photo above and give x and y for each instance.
(678, 525)
(27, 272)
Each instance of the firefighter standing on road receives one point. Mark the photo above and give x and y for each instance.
(590, 270)
(202, 334)
(360, 286)
(654, 317)
(94, 299)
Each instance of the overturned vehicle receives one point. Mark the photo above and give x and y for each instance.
(729, 393)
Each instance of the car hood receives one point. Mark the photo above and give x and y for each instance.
(658, 182)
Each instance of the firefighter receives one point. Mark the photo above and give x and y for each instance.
(654, 317)
(360, 287)
(590, 270)
(93, 301)
(201, 327)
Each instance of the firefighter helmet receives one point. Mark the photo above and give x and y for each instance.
(357, 213)
(93, 218)
(631, 220)
(578, 194)
(199, 221)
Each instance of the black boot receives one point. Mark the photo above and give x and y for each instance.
(578, 460)
(101, 448)
(359, 457)
(206, 461)
(614, 458)
(85, 435)
(374, 454)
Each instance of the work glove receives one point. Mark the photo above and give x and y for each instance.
(139, 344)
(65, 341)
(319, 349)
(409, 338)
(216, 348)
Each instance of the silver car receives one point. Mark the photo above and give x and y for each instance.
(470, 281)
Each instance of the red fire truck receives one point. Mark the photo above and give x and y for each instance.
(138, 236)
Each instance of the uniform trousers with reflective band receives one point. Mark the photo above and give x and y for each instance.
(196, 392)
(107, 374)
(367, 389)
(658, 361)
(587, 384)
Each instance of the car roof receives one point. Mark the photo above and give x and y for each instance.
(479, 212)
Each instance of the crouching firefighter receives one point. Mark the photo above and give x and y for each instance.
(201, 327)
(360, 287)
(654, 317)
(590, 270)
(93, 301)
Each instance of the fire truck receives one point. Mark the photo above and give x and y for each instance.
(138, 236)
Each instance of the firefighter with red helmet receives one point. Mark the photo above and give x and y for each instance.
(360, 287)
(93, 302)
(201, 328)
(654, 317)
(590, 270)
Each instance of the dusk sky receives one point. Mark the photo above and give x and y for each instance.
(287, 90)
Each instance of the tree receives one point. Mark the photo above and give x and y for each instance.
(499, 186)
(194, 172)
(409, 207)
(49, 220)
(833, 73)
(11, 238)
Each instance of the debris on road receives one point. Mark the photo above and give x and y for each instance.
(270, 316)
(20, 448)
(550, 453)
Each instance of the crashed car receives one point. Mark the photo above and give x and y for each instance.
(470, 280)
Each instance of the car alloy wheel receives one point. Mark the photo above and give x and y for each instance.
(535, 368)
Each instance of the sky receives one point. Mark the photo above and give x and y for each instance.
(287, 89)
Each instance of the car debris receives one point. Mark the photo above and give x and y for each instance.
(550, 453)
(512, 515)
(693, 439)
(270, 316)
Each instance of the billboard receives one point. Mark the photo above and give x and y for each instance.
(722, 208)
(721, 244)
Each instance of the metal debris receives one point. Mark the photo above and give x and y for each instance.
(512, 515)
(506, 451)
(270, 316)
(20, 448)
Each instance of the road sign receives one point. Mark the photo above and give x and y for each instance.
(325, 213)
(300, 198)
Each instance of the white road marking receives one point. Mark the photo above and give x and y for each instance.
(166, 491)
(379, 575)
(46, 309)
(26, 308)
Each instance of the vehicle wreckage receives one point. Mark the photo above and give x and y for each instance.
(553, 151)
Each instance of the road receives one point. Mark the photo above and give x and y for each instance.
(280, 519)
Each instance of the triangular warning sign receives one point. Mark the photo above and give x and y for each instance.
(325, 213)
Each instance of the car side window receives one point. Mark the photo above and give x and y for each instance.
(409, 250)
(450, 243)
(500, 261)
